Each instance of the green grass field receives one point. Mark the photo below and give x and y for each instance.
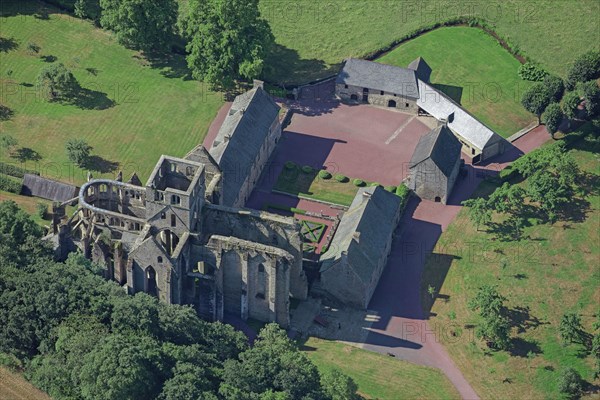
(553, 271)
(313, 37)
(471, 67)
(134, 109)
(378, 376)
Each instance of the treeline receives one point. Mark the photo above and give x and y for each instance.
(77, 336)
(224, 42)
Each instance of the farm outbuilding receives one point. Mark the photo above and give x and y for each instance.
(34, 185)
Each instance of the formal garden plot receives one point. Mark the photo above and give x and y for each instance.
(312, 232)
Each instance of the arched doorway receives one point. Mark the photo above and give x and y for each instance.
(438, 199)
(353, 97)
(392, 103)
(365, 97)
(151, 287)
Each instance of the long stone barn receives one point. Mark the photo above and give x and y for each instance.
(409, 90)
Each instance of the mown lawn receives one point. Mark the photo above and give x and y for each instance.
(15, 387)
(314, 37)
(133, 110)
(298, 183)
(553, 271)
(471, 67)
(378, 376)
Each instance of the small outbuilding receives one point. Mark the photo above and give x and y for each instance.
(435, 164)
(358, 253)
(34, 185)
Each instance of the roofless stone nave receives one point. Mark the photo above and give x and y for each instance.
(184, 237)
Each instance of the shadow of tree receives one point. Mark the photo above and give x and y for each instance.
(92, 71)
(26, 154)
(521, 318)
(520, 347)
(99, 164)
(439, 265)
(171, 65)
(283, 66)
(48, 58)
(5, 113)
(454, 92)
(87, 99)
(8, 44)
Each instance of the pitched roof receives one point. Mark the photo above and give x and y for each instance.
(441, 146)
(241, 137)
(368, 218)
(422, 69)
(459, 120)
(44, 188)
(372, 75)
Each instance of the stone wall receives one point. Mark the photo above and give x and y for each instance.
(376, 98)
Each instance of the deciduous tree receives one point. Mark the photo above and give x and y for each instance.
(536, 99)
(552, 118)
(78, 151)
(57, 82)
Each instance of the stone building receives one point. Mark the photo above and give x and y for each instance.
(435, 164)
(174, 238)
(358, 253)
(408, 89)
(245, 142)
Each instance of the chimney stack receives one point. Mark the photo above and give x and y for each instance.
(258, 84)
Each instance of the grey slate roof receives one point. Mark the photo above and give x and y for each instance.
(240, 138)
(44, 188)
(422, 69)
(441, 146)
(376, 76)
(459, 120)
(370, 215)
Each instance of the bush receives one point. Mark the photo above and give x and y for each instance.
(403, 192)
(290, 165)
(341, 178)
(78, 151)
(532, 72)
(9, 184)
(552, 118)
(58, 81)
(571, 103)
(373, 184)
(391, 189)
(41, 210)
(570, 383)
(508, 173)
(307, 169)
(324, 174)
(358, 182)
(13, 170)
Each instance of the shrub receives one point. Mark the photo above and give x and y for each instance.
(290, 165)
(41, 210)
(571, 101)
(33, 47)
(532, 72)
(358, 182)
(570, 383)
(324, 174)
(13, 170)
(552, 118)
(307, 169)
(9, 184)
(58, 81)
(341, 178)
(391, 189)
(403, 192)
(373, 184)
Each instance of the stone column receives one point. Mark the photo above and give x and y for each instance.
(244, 297)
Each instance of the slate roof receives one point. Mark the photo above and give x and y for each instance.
(422, 69)
(459, 120)
(441, 146)
(369, 215)
(240, 138)
(34, 185)
(376, 76)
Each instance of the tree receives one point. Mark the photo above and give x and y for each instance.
(479, 211)
(547, 189)
(552, 118)
(555, 87)
(88, 9)
(585, 68)
(571, 103)
(338, 386)
(189, 382)
(596, 353)
(507, 198)
(536, 99)
(495, 325)
(570, 383)
(488, 301)
(78, 151)
(495, 331)
(570, 328)
(140, 24)
(57, 81)
(8, 143)
(226, 40)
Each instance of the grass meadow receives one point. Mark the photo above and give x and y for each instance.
(551, 271)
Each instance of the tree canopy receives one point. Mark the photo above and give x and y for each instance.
(78, 151)
(140, 24)
(227, 40)
(585, 68)
(536, 98)
(552, 118)
(57, 82)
